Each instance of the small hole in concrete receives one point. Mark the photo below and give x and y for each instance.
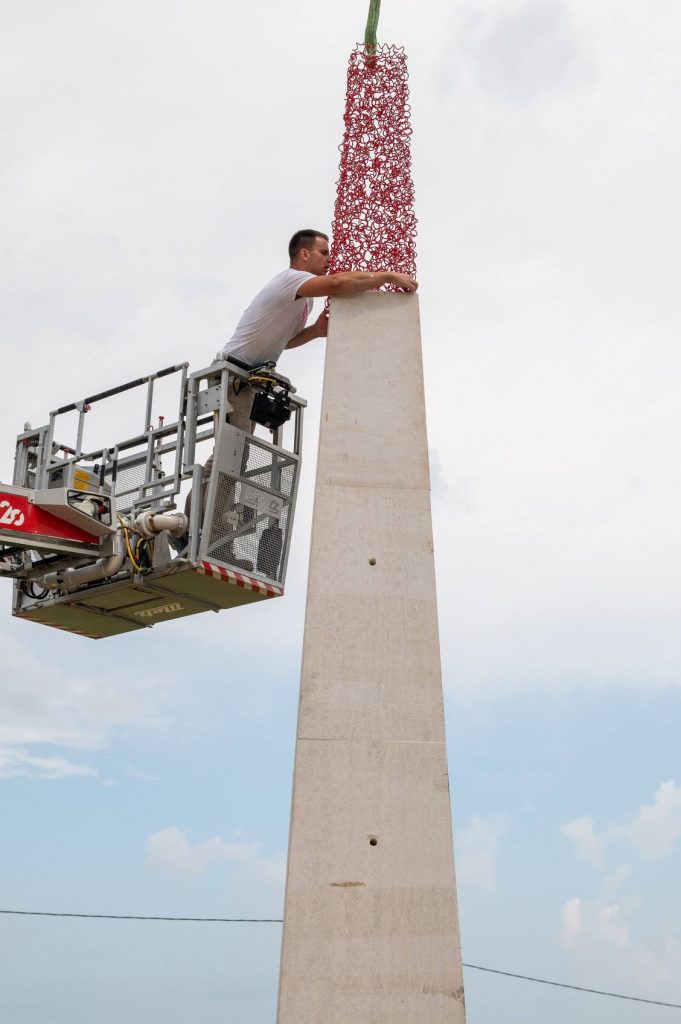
(372, 561)
(373, 841)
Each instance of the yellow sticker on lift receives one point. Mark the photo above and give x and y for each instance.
(81, 480)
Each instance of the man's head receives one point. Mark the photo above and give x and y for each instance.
(309, 250)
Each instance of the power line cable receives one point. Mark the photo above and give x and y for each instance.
(576, 988)
(278, 920)
(147, 917)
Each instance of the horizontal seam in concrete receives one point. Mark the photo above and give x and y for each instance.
(353, 739)
(374, 486)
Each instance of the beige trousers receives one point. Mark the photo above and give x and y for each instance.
(241, 401)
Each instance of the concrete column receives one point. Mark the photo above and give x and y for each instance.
(371, 930)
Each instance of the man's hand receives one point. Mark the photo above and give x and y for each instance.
(321, 325)
(318, 329)
(404, 282)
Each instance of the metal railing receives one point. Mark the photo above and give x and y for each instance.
(146, 470)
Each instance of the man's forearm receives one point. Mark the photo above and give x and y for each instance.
(350, 282)
(307, 334)
(353, 281)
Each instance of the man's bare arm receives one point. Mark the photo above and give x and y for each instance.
(353, 281)
(316, 330)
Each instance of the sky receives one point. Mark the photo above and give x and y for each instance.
(155, 160)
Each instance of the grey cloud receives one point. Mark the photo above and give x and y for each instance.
(516, 52)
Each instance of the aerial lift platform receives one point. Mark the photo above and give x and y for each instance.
(93, 539)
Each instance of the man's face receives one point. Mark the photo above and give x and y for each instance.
(318, 257)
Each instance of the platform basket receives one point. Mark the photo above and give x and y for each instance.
(248, 515)
(230, 546)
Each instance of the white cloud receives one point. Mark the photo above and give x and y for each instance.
(69, 695)
(571, 918)
(54, 694)
(652, 831)
(602, 932)
(16, 763)
(655, 828)
(477, 847)
(600, 939)
(135, 773)
(599, 923)
(580, 831)
(170, 850)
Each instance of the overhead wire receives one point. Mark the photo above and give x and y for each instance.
(575, 988)
(146, 917)
(278, 920)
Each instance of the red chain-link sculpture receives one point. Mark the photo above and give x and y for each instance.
(374, 225)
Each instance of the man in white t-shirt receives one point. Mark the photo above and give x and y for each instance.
(276, 318)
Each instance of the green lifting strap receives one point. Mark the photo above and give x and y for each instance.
(372, 25)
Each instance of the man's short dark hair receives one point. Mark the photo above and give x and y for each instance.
(303, 239)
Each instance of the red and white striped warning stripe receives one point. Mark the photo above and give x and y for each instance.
(229, 576)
